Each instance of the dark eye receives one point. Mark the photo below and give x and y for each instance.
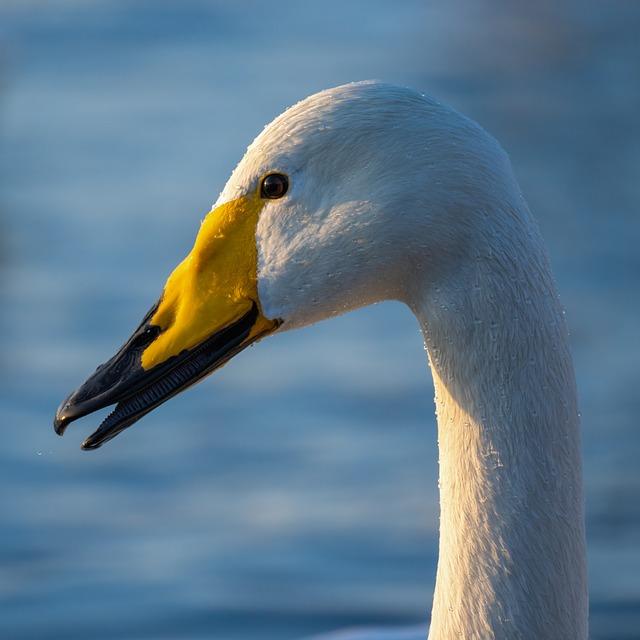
(274, 186)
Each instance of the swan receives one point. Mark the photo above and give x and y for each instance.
(369, 192)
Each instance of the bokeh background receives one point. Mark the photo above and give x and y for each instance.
(296, 491)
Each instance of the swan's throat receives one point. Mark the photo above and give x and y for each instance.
(512, 552)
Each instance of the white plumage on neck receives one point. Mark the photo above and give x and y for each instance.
(512, 550)
(396, 196)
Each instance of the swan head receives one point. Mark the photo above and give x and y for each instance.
(357, 194)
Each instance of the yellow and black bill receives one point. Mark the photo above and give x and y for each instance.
(209, 311)
(135, 391)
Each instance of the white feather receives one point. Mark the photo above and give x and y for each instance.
(396, 196)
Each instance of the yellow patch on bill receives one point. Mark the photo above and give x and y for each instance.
(215, 285)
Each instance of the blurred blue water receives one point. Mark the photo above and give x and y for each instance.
(296, 491)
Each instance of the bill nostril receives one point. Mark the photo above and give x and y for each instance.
(146, 336)
(152, 332)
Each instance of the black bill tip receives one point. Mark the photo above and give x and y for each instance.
(60, 423)
(67, 412)
(104, 434)
(90, 444)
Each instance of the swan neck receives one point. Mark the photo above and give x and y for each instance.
(512, 546)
